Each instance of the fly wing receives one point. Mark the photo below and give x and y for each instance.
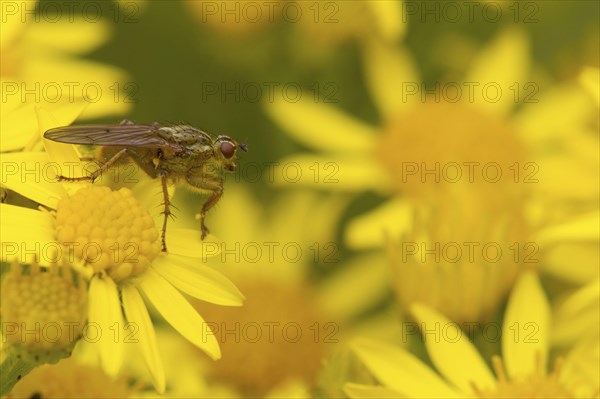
(132, 135)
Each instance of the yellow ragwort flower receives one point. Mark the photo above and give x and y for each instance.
(433, 155)
(43, 312)
(522, 370)
(41, 66)
(114, 242)
(283, 318)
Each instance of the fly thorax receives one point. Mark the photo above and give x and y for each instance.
(184, 135)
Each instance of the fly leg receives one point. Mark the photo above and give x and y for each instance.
(214, 184)
(167, 211)
(98, 171)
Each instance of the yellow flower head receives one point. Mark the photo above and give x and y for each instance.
(461, 257)
(462, 168)
(71, 379)
(462, 372)
(109, 230)
(111, 239)
(466, 244)
(282, 319)
(41, 66)
(43, 313)
(439, 146)
(276, 338)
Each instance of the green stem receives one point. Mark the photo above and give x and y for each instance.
(16, 366)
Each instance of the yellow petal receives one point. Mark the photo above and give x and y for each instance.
(391, 77)
(106, 320)
(450, 350)
(20, 241)
(12, 97)
(145, 337)
(578, 315)
(557, 113)
(388, 18)
(581, 368)
(63, 154)
(188, 242)
(111, 104)
(63, 80)
(590, 79)
(321, 126)
(583, 297)
(359, 391)
(567, 332)
(372, 229)
(402, 372)
(13, 23)
(339, 172)
(526, 327)
(179, 313)
(190, 377)
(573, 262)
(315, 214)
(560, 178)
(579, 183)
(18, 127)
(370, 272)
(238, 204)
(195, 279)
(582, 228)
(382, 326)
(76, 36)
(50, 116)
(501, 65)
(33, 175)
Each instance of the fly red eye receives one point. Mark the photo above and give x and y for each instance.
(227, 149)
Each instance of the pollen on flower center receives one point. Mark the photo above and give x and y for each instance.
(109, 230)
(44, 312)
(441, 145)
(463, 171)
(275, 338)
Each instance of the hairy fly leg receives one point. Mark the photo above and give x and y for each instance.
(167, 212)
(207, 182)
(93, 176)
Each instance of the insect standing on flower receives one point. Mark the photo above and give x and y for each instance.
(175, 152)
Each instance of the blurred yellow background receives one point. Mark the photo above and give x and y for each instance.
(410, 162)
